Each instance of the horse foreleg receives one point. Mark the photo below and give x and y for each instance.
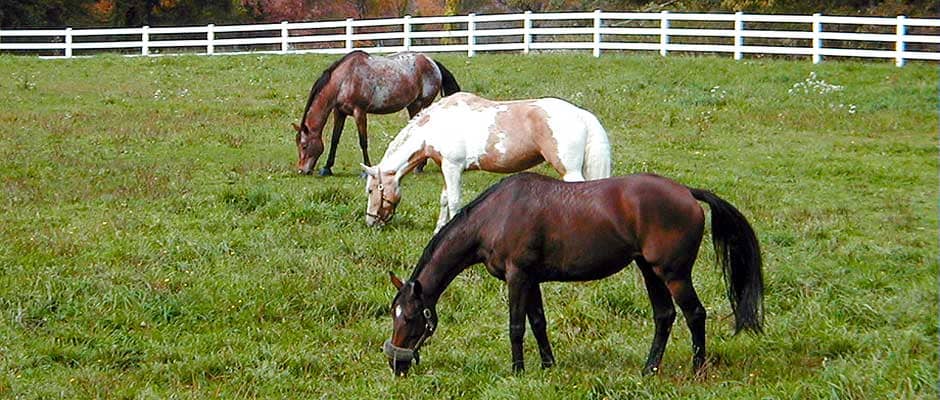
(363, 127)
(664, 315)
(443, 217)
(537, 321)
(339, 120)
(519, 288)
(452, 174)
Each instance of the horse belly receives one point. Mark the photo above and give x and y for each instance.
(508, 152)
(587, 266)
(585, 248)
(505, 163)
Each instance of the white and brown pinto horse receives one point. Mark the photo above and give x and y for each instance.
(467, 132)
(360, 84)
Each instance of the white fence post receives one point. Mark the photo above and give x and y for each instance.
(60, 43)
(406, 33)
(349, 33)
(68, 42)
(284, 36)
(526, 32)
(663, 32)
(144, 40)
(817, 41)
(210, 38)
(738, 35)
(899, 45)
(471, 40)
(597, 33)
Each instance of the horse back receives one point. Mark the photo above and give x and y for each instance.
(587, 230)
(382, 85)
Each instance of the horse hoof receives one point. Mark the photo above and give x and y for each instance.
(518, 368)
(326, 172)
(649, 371)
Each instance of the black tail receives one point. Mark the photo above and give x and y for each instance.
(449, 84)
(738, 254)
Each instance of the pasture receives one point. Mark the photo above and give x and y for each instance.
(156, 241)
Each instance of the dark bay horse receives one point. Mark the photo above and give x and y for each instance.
(530, 229)
(360, 84)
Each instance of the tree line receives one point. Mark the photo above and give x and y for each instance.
(133, 13)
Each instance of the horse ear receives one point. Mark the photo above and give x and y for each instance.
(395, 281)
(370, 170)
(295, 126)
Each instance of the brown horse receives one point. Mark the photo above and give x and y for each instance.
(530, 229)
(360, 84)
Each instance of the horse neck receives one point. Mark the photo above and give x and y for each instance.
(404, 155)
(321, 106)
(456, 251)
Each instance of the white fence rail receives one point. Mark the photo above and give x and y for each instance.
(815, 36)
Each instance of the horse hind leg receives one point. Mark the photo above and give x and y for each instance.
(693, 310)
(664, 315)
(569, 169)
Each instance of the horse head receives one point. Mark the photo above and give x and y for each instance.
(309, 148)
(384, 195)
(413, 322)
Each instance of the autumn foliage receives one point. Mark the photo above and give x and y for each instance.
(78, 13)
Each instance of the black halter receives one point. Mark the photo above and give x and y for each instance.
(402, 354)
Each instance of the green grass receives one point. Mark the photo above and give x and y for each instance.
(155, 241)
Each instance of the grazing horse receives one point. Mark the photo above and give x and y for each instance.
(467, 132)
(530, 229)
(360, 84)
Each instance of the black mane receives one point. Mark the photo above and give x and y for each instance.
(459, 219)
(322, 81)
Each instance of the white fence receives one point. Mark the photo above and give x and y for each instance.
(815, 36)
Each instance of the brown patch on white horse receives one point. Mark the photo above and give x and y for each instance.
(534, 142)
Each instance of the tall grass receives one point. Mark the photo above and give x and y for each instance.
(155, 241)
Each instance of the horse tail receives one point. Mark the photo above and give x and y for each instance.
(738, 253)
(596, 150)
(449, 84)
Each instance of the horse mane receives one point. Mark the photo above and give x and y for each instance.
(323, 80)
(406, 133)
(458, 220)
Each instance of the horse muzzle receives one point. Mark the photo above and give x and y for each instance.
(376, 220)
(399, 358)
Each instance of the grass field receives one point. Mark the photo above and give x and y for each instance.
(155, 241)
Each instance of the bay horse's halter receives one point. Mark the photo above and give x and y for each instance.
(381, 189)
(402, 354)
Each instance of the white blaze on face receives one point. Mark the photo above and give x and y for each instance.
(398, 311)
